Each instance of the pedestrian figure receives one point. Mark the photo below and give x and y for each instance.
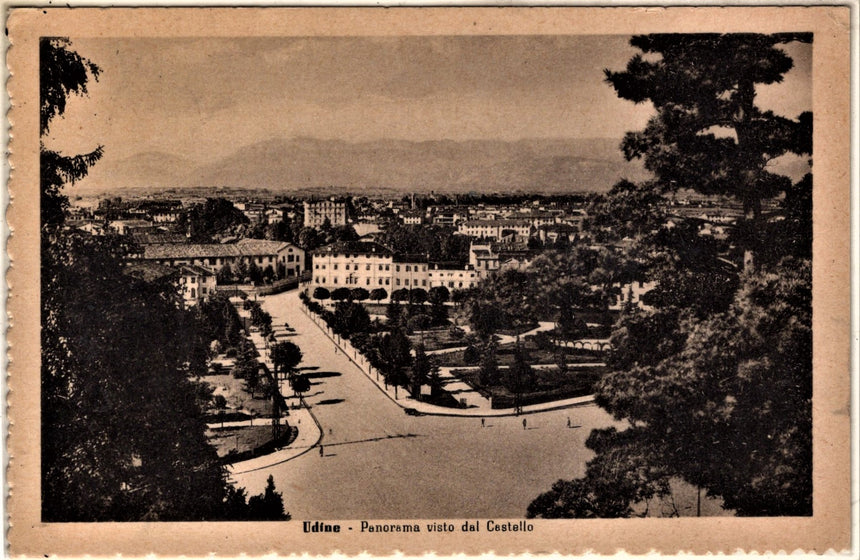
(321, 450)
(568, 421)
(524, 423)
(482, 422)
(329, 431)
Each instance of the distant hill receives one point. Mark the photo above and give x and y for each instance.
(384, 166)
(388, 167)
(441, 166)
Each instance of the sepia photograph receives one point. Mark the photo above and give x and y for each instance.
(413, 284)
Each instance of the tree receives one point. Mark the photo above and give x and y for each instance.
(438, 294)
(394, 313)
(349, 318)
(715, 380)
(255, 274)
(107, 339)
(308, 239)
(268, 506)
(321, 293)
(400, 295)
(708, 134)
(519, 377)
(224, 275)
(242, 271)
(300, 384)
(269, 273)
(341, 294)
(214, 217)
(419, 322)
(62, 73)
(359, 294)
(417, 296)
(486, 318)
(489, 371)
(471, 355)
(378, 294)
(285, 356)
(423, 369)
(395, 357)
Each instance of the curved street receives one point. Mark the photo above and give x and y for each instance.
(378, 462)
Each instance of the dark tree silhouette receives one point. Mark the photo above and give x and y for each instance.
(715, 380)
(378, 294)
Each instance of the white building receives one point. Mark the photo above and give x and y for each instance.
(369, 265)
(356, 264)
(495, 229)
(195, 283)
(317, 212)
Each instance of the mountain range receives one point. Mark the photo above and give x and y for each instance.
(447, 166)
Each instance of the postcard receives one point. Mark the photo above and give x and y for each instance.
(449, 280)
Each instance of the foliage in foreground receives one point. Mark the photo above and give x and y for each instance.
(715, 381)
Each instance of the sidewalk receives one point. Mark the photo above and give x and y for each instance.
(309, 435)
(482, 405)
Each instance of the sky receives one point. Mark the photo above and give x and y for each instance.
(204, 98)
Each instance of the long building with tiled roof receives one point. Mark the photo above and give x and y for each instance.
(215, 256)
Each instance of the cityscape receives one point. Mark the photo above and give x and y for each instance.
(426, 328)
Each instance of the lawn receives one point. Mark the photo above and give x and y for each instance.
(238, 400)
(550, 385)
(240, 439)
(505, 356)
(436, 339)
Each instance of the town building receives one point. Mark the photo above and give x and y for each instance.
(195, 283)
(412, 217)
(482, 258)
(453, 278)
(369, 265)
(353, 264)
(214, 256)
(495, 229)
(317, 212)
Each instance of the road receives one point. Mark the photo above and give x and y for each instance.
(381, 463)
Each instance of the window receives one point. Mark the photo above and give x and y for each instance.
(397, 268)
(424, 282)
(335, 279)
(408, 269)
(380, 267)
(346, 266)
(367, 267)
(387, 267)
(334, 266)
(450, 284)
(368, 282)
(397, 282)
(317, 266)
(387, 282)
(380, 281)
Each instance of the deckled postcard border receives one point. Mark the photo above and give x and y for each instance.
(829, 528)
